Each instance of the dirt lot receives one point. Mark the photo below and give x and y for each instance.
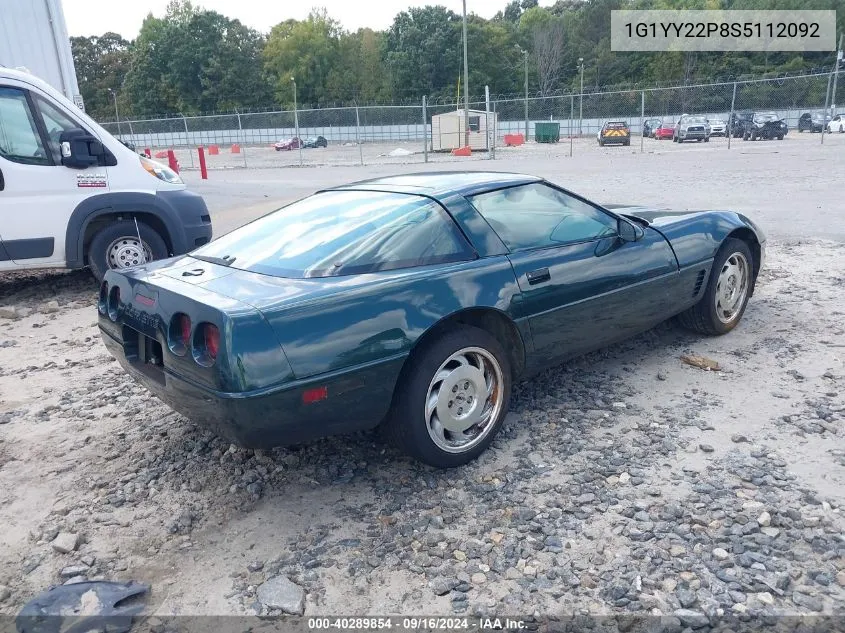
(623, 482)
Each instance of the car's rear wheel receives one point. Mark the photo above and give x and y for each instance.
(726, 296)
(452, 399)
(123, 245)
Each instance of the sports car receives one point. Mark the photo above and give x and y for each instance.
(412, 303)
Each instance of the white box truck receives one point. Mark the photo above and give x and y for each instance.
(33, 36)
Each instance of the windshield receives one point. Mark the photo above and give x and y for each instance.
(696, 119)
(343, 233)
(616, 124)
(768, 116)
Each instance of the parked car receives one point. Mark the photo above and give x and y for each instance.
(812, 121)
(717, 127)
(837, 124)
(614, 132)
(287, 144)
(315, 141)
(649, 126)
(665, 131)
(318, 319)
(739, 122)
(765, 125)
(691, 127)
(72, 195)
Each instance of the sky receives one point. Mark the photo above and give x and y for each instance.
(95, 17)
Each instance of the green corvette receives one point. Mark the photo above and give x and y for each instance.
(413, 302)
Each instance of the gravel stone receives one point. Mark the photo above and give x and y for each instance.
(720, 554)
(765, 519)
(281, 593)
(65, 542)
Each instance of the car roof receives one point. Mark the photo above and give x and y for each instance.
(440, 184)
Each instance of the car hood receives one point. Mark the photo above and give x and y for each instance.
(666, 219)
(652, 215)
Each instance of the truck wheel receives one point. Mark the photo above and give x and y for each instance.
(117, 246)
(453, 399)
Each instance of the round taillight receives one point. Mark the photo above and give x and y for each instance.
(179, 336)
(114, 302)
(102, 302)
(206, 344)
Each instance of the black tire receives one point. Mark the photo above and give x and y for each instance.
(406, 425)
(780, 137)
(707, 139)
(702, 316)
(98, 249)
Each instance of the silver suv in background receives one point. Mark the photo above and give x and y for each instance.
(691, 127)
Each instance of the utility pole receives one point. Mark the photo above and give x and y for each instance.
(296, 120)
(525, 55)
(116, 113)
(466, 78)
(835, 77)
(581, 101)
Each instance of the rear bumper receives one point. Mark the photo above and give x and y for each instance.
(267, 418)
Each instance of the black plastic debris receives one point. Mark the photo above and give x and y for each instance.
(106, 607)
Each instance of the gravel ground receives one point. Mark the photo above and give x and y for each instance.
(625, 482)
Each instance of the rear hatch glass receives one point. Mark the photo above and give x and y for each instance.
(337, 233)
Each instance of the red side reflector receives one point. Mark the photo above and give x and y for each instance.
(147, 301)
(315, 395)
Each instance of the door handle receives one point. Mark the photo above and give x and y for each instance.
(2, 181)
(538, 276)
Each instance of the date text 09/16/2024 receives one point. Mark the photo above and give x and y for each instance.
(414, 624)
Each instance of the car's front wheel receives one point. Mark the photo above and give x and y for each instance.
(122, 245)
(452, 398)
(726, 295)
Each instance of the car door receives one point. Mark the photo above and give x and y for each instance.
(582, 285)
(39, 193)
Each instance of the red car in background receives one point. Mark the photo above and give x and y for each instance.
(664, 131)
(288, 144)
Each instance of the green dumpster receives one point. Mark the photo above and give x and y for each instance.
(547, 132)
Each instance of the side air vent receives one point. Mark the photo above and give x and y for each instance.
(699, 281)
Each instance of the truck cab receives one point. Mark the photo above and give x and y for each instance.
(72, 195)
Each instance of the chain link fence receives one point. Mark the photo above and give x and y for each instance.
(561, 124)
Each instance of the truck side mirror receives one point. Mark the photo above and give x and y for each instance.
(80, 149)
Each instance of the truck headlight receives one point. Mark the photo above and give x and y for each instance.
(162, 172)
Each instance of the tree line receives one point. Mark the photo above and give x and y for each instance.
(192, 61)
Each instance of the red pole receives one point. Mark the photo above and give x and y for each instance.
(171, 159)
(203, 170)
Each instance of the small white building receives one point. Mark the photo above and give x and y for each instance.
(448, 130)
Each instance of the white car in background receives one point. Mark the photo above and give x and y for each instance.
(837, 124)
(717, 127)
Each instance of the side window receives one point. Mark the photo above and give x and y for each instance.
(538, 216)
(55, 122)
(19, 138)
(474, 123)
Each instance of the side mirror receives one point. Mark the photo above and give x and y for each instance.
(629, 232)
(80, 149)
